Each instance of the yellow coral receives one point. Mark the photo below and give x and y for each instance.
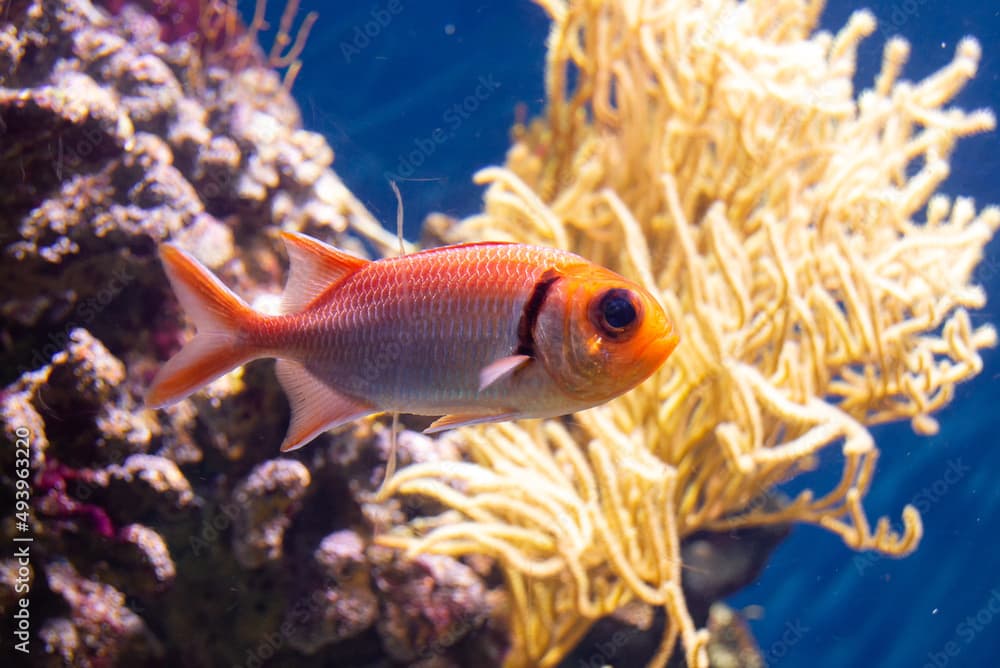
(716, 152)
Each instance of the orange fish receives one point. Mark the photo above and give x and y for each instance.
(477, 333)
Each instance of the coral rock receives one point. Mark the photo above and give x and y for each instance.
(149, 559)
(266, 500)
(145, 482)
(430, 604)
(99, 630)
(83, 380)
(342, 604)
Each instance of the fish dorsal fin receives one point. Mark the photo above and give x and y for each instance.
(464, 244)
(316, 407)
(313, 267)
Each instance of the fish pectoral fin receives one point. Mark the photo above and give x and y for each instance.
(501, 368)
(316, 407)
(313, 266)
(464, 420)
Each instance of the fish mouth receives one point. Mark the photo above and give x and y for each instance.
(660, 347)
(664, 345)
(668, 341)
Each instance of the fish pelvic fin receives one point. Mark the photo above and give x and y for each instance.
(221, 319)
(313, 267)
(316, 407)
(464, 420)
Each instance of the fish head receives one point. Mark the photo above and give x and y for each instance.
(600, 334)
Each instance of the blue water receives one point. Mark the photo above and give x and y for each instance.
(379, 100)
(428, 99)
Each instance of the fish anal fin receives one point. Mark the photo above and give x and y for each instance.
(313, 267)
(501, 368)
(464, 420)
(316, 407)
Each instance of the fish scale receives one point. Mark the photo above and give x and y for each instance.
(457, 315)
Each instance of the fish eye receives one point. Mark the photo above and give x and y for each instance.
(616, 311)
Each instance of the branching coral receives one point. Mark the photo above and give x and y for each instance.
(716, 151)
(215, 28)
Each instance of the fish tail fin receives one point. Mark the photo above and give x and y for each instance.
(222, 320)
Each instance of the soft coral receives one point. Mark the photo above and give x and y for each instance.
(187, 19)
(56, 502)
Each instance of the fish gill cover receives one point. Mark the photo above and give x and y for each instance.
(717, 152)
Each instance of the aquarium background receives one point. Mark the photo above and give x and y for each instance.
(426, 93)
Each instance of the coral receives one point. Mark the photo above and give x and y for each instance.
(791, 228)
(145, 481)
(773, 211)
(84, 383)
(715, 565)
(185, 549)
(265, 502)
(99, 629)
(431, 602)
(731, 643)
(216, 29)
(112, 151)
(342, 601)
(148, 561)
(167, 522)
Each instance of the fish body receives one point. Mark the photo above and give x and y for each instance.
(475, 333)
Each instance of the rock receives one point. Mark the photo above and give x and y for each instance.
(338, 602)
(99, 628)
(430, 604)
(266, 501)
